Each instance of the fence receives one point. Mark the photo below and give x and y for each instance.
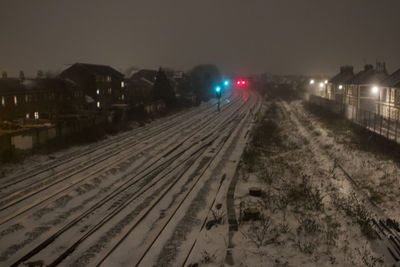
(386, 127)
(17, 142)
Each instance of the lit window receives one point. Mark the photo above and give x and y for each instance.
(26, 99)
(108, 78)
(36, 114)
(15, 100)
(122, 84)
(98, 104)
(3, 101)
(123, 97)
(109, 90)
(27, 116)
(98, 91)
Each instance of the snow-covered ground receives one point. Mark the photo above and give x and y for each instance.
(310, 214)
(139, 197)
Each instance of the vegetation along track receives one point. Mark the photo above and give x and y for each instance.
(106, 200)
(386, 229)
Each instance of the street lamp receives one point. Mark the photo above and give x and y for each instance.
(340, 87)
(312, 81)
(375, 89)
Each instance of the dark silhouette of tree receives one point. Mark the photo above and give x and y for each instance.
(40, 74)
(185, 86)
(163, 90)
(21, 75)
(185, 90)
(204, 79)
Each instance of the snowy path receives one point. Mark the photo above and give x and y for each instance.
(389, 239)
(96, 206)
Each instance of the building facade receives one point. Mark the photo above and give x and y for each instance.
(103, 84)
(335, 87)
(388, 104)
(33, 99)
(362, 91)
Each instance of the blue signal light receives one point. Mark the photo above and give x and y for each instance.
(218, 89)
(226, 83)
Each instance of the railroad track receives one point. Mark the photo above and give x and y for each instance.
(142, 252)
(71, 184)
(386, 229)
(74, 156)
(172, 155)
(19, 194)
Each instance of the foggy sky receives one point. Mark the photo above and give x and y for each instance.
(277, 36)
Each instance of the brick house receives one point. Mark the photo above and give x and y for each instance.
(140, 91)
(335, 87)
(103, 84)
(48, 98)
(361, 91)
(388, 104)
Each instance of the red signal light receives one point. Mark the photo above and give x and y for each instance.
(243, 82)
(238, 82)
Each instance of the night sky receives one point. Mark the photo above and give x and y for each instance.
(252, 36)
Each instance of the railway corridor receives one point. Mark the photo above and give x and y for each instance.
(123, 201)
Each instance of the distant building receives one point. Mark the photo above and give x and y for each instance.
(362, 90)
(33, 99)
(388, 104)
(139, 90)
(103, 84)
(335, 88)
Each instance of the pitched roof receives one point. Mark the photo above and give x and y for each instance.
(393, 80)
(345, 74)
(368, 76)
(98, 69)
(10, 84)
(15, 85)
(139, 83)
(149, 75)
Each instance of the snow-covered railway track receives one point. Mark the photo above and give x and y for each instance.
(19, 194)
(119, 140)
(386, 229)
(196, 174)
(102, 211)
(205, 125)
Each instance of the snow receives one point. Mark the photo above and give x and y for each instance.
(285, 237)
(179, 170)
(147, 158)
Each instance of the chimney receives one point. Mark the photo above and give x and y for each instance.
(368, 67)
(21, 75)
(40, 74)
(347, 69)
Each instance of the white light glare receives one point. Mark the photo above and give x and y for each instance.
(375, 89)
(312, 81)
(326, 81)
(340, 87)
(321, 85)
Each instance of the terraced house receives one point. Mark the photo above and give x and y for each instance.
(33, 99)
(335, 88)
(388, 104)
(361, 91)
